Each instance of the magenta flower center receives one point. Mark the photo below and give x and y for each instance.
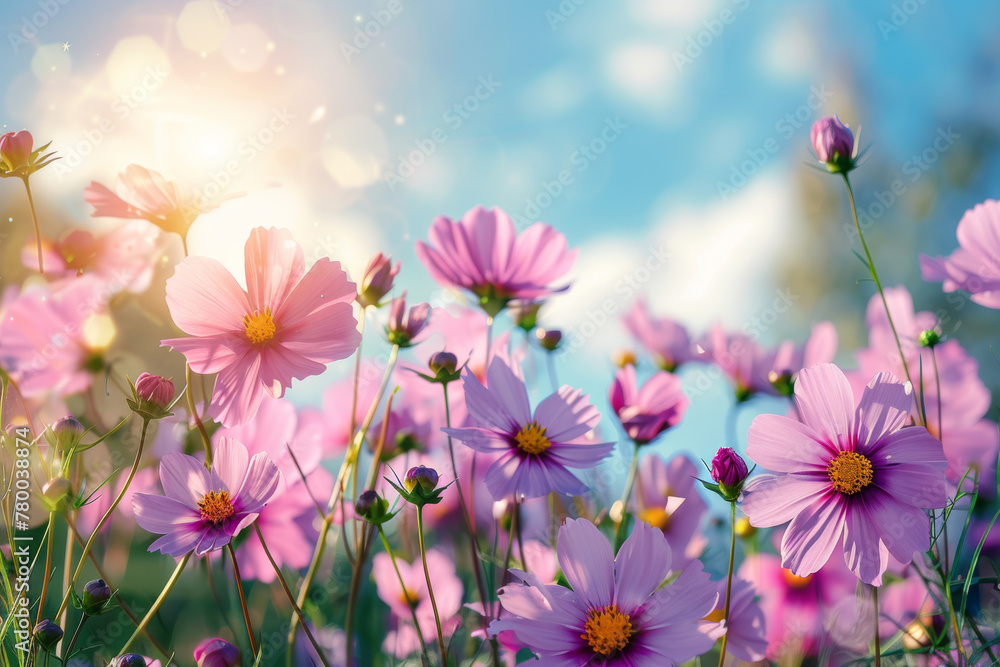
(531, 439)
(608, 631)
(216, 506)
(850, 472)
(259, 327)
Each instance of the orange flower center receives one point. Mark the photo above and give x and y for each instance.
(216, 506)
(259, 327)
(608, 630)
(409, 597)
(794, 580)
(850, 472)
(656, 517)
(531, 439)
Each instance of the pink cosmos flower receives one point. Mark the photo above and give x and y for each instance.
(647, 412)
(747, 622)
(666, 497)
(617, 613)
(447, 593)
(44, 342)
(846, 472)
(483, 253)
(124, 258)
(203, 510)
(145, 194)
(537, 449)
(956, 414)
(667, 340)
(287, 324)
(975, 265)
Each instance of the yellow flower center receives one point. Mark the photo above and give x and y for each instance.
(608, 630)
(715, 616)
(259, 327)
(656, 517)
(409, 597)
(850, 472)
(794, 580)
(216, 506)
(531, 439)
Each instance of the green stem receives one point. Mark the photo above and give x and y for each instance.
(49, 534)
(350, 459)
(34, 222)
(72, 642)
(409, 603)
(729, 580)
(430, 589)
(291, 598)
(243, 601)
(105, 518)
(878, 284)
(355, 590)
(629, 483)
(878, 642)
(158, 603)
(206, 441)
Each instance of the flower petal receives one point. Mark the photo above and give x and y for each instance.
(786, 445)
(642, 564)
(813, 534)
(274, 265)
(205, 299)
(771, 500)
(884, 408)
(184, 478)
(587, 562)
(825, 401)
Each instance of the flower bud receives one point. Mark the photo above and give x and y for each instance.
(403, 326)
(48, 634)
(95, 597)
(128, 660)
(729, 471)
(15, 149)
(371, 506)
(68, 432)
(217, 652)
(783, 382)
(443, 361)
(377, 281)
(929, 338)
(426, 477)
(525, 313)
(833, 144)
(56, 494)
(549, 339)
(158, 391)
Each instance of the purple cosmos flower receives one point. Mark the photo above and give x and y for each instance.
(536, 448)
(975, 265)
(203, 510)
(405, 325)
(846, 472)
(616, 613)
(665, 339)
(484, 254)
(833, 143)
(746, 620)
(647, 412)
(666, 497)
(377, 280)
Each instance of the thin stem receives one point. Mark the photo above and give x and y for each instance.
(878, 283)
(355, 590)
(291, 598)
(72, 642)
(34, 222)
(520, 541)
(430, 589)
(402, 584)
(629, 483)
(206, 441)
(550, 362)
(729, 580)
(104, 519)
(49, 534)
(243, 601)
(489, 339)
(878, 643)
(357, 370)
(937, 384)
(158, 603)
